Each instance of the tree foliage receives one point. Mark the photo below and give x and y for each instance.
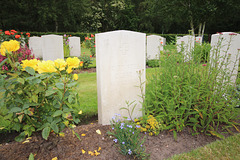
(158, 16)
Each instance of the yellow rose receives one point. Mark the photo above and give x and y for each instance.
(15, 45)
(30, 63)
(69, 70)
(46, 66)
(73, 62)
(3, 51)
(60, 64)
(75, 77)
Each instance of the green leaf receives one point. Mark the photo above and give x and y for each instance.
(15, 109)
(30, 70)
(46, 132)
(57, 113)
(3, 62)
(20, 80)
(20, 137)
(54, 127)
(50, 92)
(60, 85)
(175, 135)
(31, 157)
(70, 99)
(72, 84)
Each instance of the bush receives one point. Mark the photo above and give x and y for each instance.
(86, 60)
(90, 43)
(39, 101)
(192, 94)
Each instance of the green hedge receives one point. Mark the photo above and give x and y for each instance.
(169, 37)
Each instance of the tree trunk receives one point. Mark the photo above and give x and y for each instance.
(200, 29)
(56, 26)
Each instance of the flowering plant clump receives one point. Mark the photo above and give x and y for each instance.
(90, 43)
(40, 96)
(11, 52)
(127, 137)
(150, 124)
(66, 47)
(14, 35)
(86, 60)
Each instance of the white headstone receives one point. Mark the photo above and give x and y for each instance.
(198, 40)
(226, 50)
(75, 46)
(35, 45)
(52, 47)
(119, 56)
(154, 46)
(179, 44)
(187, 46)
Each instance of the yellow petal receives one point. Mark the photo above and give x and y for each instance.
(98, 131)
(25, 141)
(80, 112)
(83, 152)
(55, 158)
(83, 135)
(99, 148)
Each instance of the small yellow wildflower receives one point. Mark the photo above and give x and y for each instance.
(60, 64)
(99, 148)
(55, 158)
(80, 112)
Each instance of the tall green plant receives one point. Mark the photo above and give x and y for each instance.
(191, 94)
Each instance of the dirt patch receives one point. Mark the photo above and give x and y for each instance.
(70, 147)
(89, 70)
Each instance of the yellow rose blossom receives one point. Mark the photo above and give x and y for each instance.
(75, 77)
(30, 63)
(3, 51)
(46, 66)
(60, 64)
(14, 45)
(73, 62)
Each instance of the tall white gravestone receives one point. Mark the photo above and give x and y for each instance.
(179, 44)
(226, 50)
(186, 45)
(119, 56)
(154, 46)
(52, 47)
(35, 45)
(75, 46)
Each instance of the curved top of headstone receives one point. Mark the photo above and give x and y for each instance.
(153, 36)
(121, 31)
(51, 35)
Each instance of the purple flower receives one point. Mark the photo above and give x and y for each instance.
(121, 127)
(115, 140)
(129, 152)
(137, 126)
(132, 132)
(123, 142)
(128, 119)
(113, 128)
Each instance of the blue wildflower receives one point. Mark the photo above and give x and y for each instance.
(129, 152)
(115, 140)
(132, 132)
(123, 142)
(137, 126)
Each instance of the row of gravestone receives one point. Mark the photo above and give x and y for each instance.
(50, 47)
(121, 61)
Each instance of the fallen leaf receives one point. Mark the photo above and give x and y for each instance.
(98, 131)
(99, 148)
(55, 158)
(91, 153)
(61, 134)
(83, 135)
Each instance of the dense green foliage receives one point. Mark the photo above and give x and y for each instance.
(162, 16)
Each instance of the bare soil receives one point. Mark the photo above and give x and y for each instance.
(70, 147)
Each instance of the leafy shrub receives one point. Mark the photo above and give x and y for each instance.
(127, 137)
(14, 35)
(86, 60)
(90, 43)
(39, 96)
(153, 63)
(191, 94)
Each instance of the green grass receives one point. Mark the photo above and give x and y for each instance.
(88, 93)
(227, 149)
